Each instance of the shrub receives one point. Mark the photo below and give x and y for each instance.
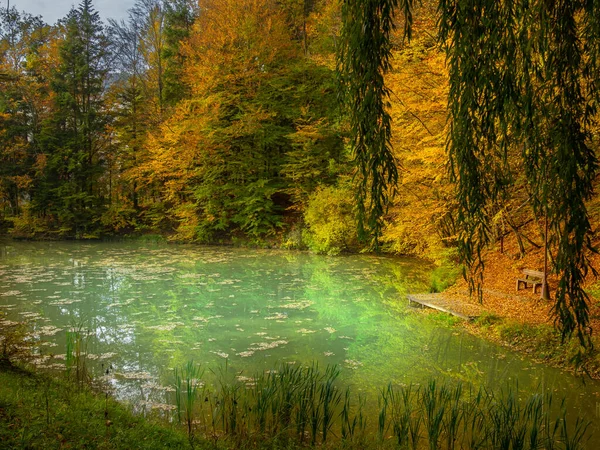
(330, 221)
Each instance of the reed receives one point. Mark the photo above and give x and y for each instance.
(188, 386)
(77, 339)
(303, 405)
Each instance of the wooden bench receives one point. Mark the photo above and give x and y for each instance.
(534, 278)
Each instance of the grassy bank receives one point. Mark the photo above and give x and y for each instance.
(37, 411)
(540, 342)
(287, 408)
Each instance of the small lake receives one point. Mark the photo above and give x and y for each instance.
(152, 307)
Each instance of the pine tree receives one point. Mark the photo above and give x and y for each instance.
(73, 138)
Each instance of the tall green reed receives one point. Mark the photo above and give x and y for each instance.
(305, 405)
(77, 339)
(188, 386)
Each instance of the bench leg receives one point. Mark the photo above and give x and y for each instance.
(521, 282)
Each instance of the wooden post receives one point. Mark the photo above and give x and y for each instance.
(545, 291)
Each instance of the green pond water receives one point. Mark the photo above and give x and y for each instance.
(152, 307)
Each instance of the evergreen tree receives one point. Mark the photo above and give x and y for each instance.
(179, 19)
(73, 138)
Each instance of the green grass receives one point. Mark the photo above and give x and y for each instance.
(37, 411)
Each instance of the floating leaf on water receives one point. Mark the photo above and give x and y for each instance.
(64, 302)
(161, 406)
(267, 345)
(54, 366)
(346, 337)
(212, 339)
(244, 379)
(167, 327)
(302, 304)
(261, 333)
(8, 323)
(352, 364)
(246, 354)
(277, 316)
(221, 354)
(330, 330)
(305, 331)
(134, 375)
(9, 293)
(30, 315)
(41, 359)
(328, 353)
(48, 330)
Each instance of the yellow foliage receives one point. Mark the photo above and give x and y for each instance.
(418, 221)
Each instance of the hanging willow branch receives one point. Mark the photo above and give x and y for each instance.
(525, 74)
(363, 59)
(524, 86)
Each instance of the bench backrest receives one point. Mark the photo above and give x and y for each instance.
(533, 273)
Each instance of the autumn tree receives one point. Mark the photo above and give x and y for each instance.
(180, 16)
(132, 115)
(253, 100)
(22, 105)
(150, 19)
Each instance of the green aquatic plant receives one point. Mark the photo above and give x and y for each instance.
(188, 386)
(77, 339)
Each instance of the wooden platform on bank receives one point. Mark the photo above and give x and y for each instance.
(437, 301)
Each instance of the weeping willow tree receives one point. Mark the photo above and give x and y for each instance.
(363, 60)
(524, 87)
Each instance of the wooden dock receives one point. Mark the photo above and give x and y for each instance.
(465, 311)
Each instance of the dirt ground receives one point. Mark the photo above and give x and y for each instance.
(501, 299)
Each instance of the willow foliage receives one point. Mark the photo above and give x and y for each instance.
(524, 81)
(524, 91)
(364, 58)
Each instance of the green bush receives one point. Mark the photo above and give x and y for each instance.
(330, 220)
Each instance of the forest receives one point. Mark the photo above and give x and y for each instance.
(223, 126)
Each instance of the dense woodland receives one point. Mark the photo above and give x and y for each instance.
(210, 122)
